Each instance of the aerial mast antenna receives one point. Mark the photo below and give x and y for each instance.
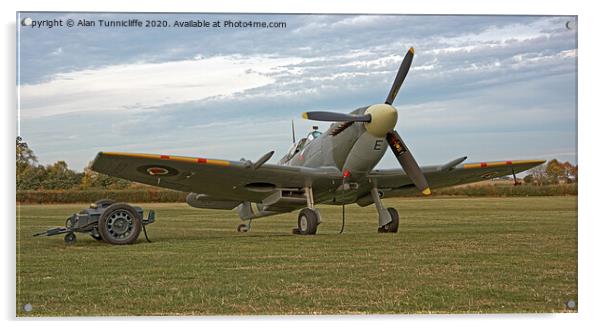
(293, 128)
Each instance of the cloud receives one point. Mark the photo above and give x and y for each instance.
(479, 85)
(147, 85)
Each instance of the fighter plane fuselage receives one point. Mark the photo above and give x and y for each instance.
(353, 151)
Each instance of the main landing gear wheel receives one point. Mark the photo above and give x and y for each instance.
(308, 222)
(242, 228)
(119, 224)
(393, 225)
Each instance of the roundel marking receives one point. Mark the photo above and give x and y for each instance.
(157, 170)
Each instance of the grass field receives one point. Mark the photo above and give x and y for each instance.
(452, 255)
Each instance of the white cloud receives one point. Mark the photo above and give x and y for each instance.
(519, 32)
(57, 52)
(480, 89)
(147, 85)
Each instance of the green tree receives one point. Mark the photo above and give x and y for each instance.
(92, 179)
(555, 171)
(29, 174)
(552, 172)
(574, 172)
(32, 176)
(570, 172)
(60, 177)
(25, 156)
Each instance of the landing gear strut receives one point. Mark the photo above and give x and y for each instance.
(388, 218)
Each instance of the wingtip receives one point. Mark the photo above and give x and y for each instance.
(304, 115)
(426, 191)
(412, 50)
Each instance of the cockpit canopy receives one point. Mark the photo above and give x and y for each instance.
(313, 135)
(301, 144)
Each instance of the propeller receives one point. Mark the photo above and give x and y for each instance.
(379, 120)
(334, 116)
(407, 162)
(404, 68)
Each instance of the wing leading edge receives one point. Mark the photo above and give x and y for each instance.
(396, 183)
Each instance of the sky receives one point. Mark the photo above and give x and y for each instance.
(486, 87)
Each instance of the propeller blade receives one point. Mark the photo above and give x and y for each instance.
(407, 162)
(337, 117)
(401, 75)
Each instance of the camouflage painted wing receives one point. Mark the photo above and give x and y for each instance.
(394, 182)
(230, 180)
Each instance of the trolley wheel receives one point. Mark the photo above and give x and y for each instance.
(70, 238)
(119, 224)
(69, 222)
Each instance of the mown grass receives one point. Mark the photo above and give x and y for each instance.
(452, 255)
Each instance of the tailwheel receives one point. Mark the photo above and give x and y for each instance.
(243, 228)
(308, 222)
(392, 226)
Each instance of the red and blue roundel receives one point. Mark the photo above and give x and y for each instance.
(157, 170)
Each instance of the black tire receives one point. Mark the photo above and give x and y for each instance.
(393, 226)
(308, 221)
(242, 228)
(69, 222)
(119, 224)
(70, 238)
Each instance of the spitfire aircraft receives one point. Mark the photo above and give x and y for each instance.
(335, 168)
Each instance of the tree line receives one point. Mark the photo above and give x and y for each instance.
(33, 176)
(552, 172)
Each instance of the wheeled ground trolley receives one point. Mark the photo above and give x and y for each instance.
(106, 220)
